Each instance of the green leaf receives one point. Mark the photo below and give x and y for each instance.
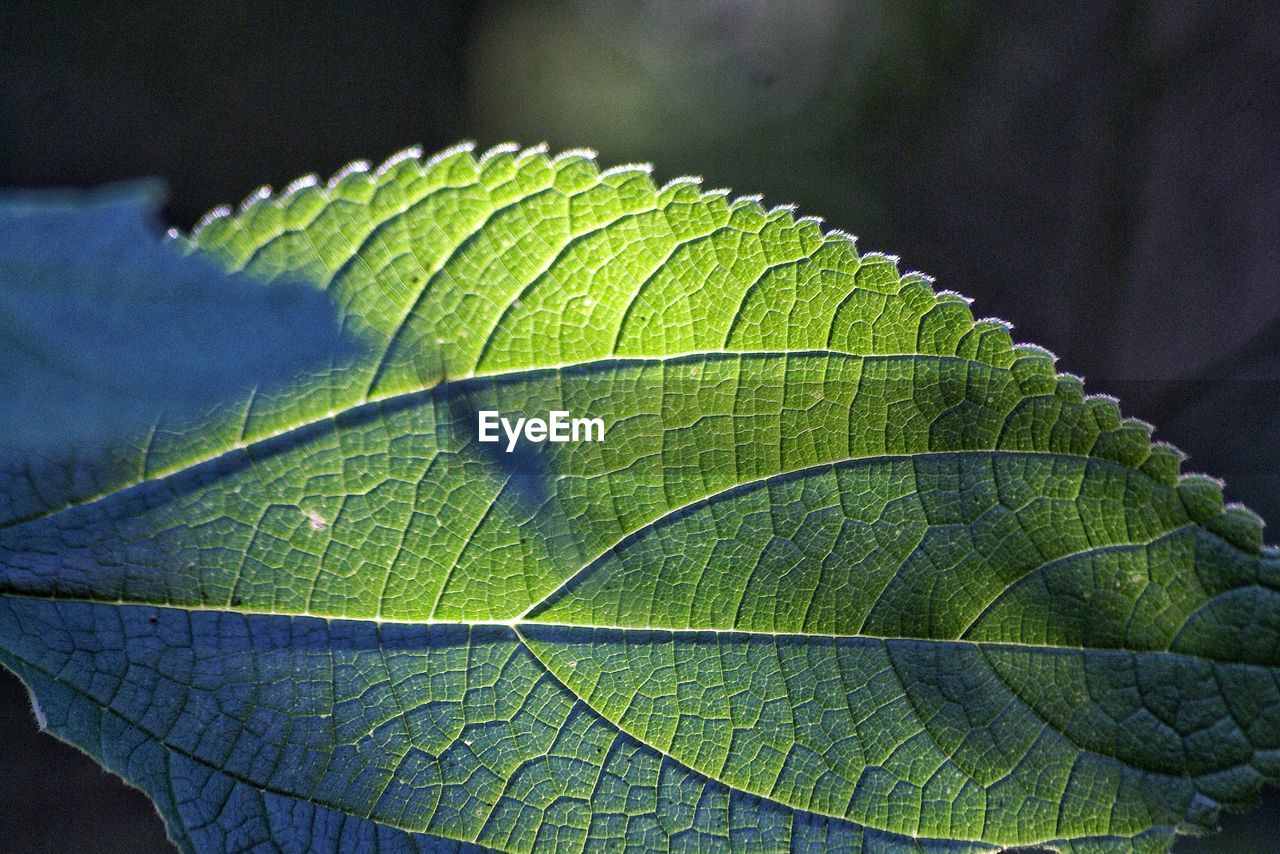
(849, 568)
(104, 328)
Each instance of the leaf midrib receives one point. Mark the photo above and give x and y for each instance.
(516, 624)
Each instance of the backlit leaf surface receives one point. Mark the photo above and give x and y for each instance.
(850, 569)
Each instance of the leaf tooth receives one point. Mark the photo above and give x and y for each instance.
(1070, 387)
(917, 279)
(1131, 422)
(1033, 351)
(1201, 495)
(627, 169)
(753, 203)
(988, 341)
(748, 207)
(879, 258)
(837, 235)
(1123, 440)
(1105, 409)
(781, 215)
(1207, 479)
(1033, 368)
(946, 294)
(467, 146)
(882, 258)
(1144, 430)
(1170, 448)
(1242, 510)
(808, 229)
(220, 212)
(1106, 404)
(355, 167)
(413, 152)
(296, 186)
(261, 194)
(572, 154)
(1164, 463)
(513, 149)
(842, 245)
(1239, 526)
(681, 182)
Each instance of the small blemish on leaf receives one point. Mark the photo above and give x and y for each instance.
(318, 522)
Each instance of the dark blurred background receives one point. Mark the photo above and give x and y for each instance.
(1104, 175)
